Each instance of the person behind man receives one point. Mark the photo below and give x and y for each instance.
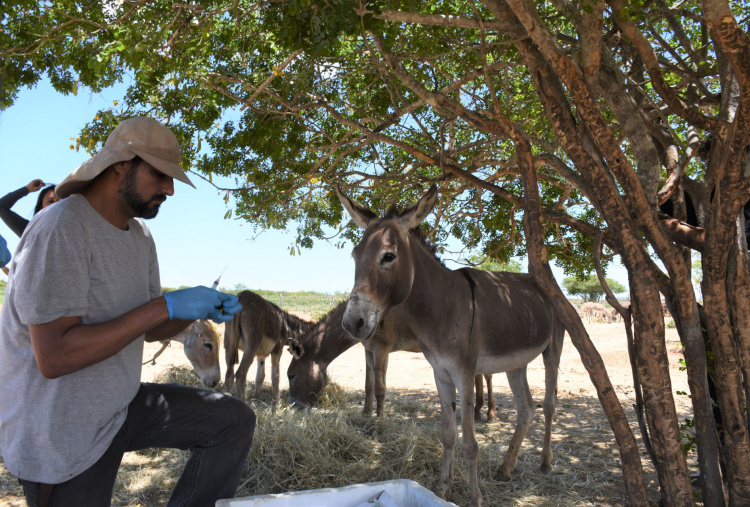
(13, 220)
(4, 255)
(83, 294)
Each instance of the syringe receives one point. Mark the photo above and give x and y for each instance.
(216, 283)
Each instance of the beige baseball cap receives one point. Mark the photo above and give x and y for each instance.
(137, 136)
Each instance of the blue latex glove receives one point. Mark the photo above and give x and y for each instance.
(228, 309)
(202, 303)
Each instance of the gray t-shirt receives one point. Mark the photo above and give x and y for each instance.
(70, 262)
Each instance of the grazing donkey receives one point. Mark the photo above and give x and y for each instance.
(201, 346)
(259, 329)
(327, 340)
(468, 322)
(591, 311)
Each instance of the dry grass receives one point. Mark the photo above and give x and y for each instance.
(334, 445)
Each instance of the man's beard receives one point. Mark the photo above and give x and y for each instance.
(141, 208)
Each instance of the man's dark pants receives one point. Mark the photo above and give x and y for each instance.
(218, 429)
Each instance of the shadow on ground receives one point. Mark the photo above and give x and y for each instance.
(336, 445)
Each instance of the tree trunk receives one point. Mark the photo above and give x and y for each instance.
(647, 323)
(740, 301)
(687, 319)
(653, 369)
(729, 384)
(684, 309)
(592, 361)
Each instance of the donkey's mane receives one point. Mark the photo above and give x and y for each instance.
(311, 333)
(270, 310)
(328, 316)
(295, 323)
(426, 243)
(392, 212)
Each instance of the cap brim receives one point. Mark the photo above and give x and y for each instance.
(164, 166)
(85, 173)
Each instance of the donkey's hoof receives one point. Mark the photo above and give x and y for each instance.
(502, 476)
(546, 469)
(441, 489)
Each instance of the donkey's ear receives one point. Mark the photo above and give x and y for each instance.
(416, 213)
(296, 349)
(361, 215)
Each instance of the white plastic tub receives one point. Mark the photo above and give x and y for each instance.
(404, 492)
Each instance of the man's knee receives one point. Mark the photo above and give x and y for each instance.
(243, 419)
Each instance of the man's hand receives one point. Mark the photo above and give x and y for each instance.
(202, 303)
(35, 185)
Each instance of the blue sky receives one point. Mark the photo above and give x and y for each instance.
(194, 241)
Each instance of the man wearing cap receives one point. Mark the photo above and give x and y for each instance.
(82, 295)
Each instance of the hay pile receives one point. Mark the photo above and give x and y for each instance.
(334, 446)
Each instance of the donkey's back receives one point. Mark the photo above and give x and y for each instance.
(513, 320)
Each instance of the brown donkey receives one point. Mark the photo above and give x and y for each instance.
(327, 340)
(201, 346)
(259, 329)
(468, 322)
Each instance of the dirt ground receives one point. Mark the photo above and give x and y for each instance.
(408, 371)
(409, 374)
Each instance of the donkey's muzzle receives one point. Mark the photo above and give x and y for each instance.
(360, 319)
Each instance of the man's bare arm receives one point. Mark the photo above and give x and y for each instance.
(65, 345)
(167, 329)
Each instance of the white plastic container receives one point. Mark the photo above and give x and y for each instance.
(404, 492)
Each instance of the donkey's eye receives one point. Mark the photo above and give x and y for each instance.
(208, 346)
(388, 257)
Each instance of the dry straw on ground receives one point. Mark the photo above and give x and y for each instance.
(334, 445)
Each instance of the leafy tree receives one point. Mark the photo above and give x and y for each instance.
(590, 289)
(547, 125)
(489, 264)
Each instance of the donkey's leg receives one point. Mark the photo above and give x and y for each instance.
(260, 374)
(551, 357)
(229, 375)
(479, 393)
(275, 368)
(469, 443)
(230, 355)
(381, 367)
(247, 360)
(369, 383)
(490, 399)
(524, 407)
(447, 394)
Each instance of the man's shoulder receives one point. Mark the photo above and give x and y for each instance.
(67, 212)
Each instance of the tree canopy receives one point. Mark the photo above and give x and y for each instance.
(590, 289)
(489, 264)
(564, 131)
